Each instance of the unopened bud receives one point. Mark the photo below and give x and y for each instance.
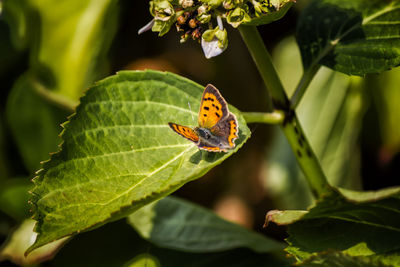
(213, 3)
(202, 9)
(260, 8)
(204, 18)
(228, 4)
(237, 17)
(161, 10)
(196, 34)
(181, 20)
(184, 37)
(192, 23)
(186, 3)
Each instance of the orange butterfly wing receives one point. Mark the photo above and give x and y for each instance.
(184, 131)
(215, 116)
(210, 148)
(227, 129)
(213, 107)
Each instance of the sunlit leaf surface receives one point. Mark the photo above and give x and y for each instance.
(119, 154)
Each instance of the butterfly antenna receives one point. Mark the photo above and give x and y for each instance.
(191, 113)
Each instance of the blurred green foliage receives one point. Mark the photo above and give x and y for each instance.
(332, 131)
(51, 51)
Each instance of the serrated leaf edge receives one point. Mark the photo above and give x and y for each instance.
(145, 200)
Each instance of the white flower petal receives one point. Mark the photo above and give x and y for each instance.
(211, 49)
(146, 27)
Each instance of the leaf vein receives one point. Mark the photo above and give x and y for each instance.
(126, 152)
(365, 223)
(150, 174)
(133, 102)
(121, 126)
(380, 13)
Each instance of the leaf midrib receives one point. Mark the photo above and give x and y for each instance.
(189, 145)
(119, 126)
(126, 152)
(150, 174)
(133, 102)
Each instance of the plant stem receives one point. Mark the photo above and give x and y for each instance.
(291, 126)
(275, 117)
(305, 81)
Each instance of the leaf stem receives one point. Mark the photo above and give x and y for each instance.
(304, 82)
(291, 125)
(275, 117)
(52, 97)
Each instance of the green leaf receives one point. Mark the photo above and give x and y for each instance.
(4, 158)
(328, 259)
(144, 259)
(14, 197)
(21, 20)
(283, 217)
(387, 108)
(332, 131)
(131, 245)
(119, 154)
(358, 223)
(272, 16)
(10, 57)
(177, 224)
(33, 122)
(354, 37)
(69, 40)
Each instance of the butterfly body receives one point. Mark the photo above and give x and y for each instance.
(208, 139)
(218, 128)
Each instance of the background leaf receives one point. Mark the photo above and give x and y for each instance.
(357, 223)
(83, 31)
(35, 123)
(68, 41)
(354, 37)
(14, 197)
(18, 14)
(127, 245)
(4, 165)
(332, 131)
(328, 259)
(144, 259)
(67, 45)
(177, 224)
(387, 107)
(119, 153)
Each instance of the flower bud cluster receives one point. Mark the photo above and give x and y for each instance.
(193, 18)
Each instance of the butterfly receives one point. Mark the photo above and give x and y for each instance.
(218, 128)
